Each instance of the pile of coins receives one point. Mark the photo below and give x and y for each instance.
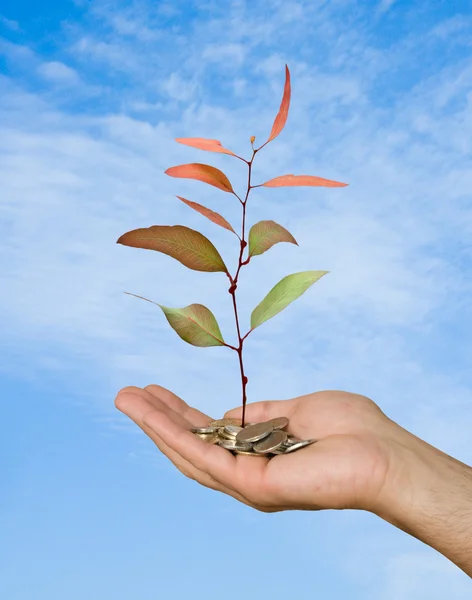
(255, 439)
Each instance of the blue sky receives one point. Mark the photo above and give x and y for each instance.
(92, 95)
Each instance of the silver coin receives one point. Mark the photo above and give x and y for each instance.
(299, 445)
(233, 445)
(226, 443)
(229, 432)
(292, 440)
(254, 433)
(279, 422)
(208, 429)
(271, 442)
(232, 430)
(226, 436)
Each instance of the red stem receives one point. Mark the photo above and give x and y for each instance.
(234, 285)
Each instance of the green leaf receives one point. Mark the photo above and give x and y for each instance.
(195, 324)
(186, 245)
(265, 234)
(282, 294)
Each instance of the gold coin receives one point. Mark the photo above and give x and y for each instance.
(245, 453)
(208, 438)
(224, 422)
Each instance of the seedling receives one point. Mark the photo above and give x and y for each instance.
(195, 323)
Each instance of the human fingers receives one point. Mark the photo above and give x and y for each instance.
(243, 477)
(135, 406)
(195, 417)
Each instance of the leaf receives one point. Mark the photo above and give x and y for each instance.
(282, 115)
(201, 172)
(291, 180)
(204, 144)
(213, 216)
(195, 324)
(265, 234)
(282, 294)
(186, 245)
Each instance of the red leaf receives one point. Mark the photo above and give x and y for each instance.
(282, 115)
(209, 214)
(204, 173)
(204, 144)
(311, 180)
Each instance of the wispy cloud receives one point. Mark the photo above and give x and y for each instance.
(10, 23)
(58, 72)
(385, 5)
(396, 241)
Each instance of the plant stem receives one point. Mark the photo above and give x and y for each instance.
(234, 285)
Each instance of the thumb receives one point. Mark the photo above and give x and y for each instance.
(258, 412)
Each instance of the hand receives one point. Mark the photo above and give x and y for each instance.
(362, 460)
(346, 468)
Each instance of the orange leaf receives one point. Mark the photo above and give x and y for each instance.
(291, 180)
(204, 144)
(282, 115)
(209, 214)
(186, 245)
(204, 173)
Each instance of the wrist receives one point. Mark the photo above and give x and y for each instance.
(428, 494)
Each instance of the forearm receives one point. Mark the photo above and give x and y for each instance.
(428, 494)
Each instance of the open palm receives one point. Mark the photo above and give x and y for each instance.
(345, 468)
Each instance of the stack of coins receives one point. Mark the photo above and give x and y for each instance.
(255, 439)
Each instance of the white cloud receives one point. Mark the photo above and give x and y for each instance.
(10, 23)
(178, 88)
(390, 320)
(385, 5)
(422, 576)
(129, 27)
(232, 55)
(19, 53)
(58, 72)
(108, 52)
(454, 26)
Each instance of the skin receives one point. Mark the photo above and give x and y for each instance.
(362, 460)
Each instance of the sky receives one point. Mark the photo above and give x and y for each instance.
(92, 96)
